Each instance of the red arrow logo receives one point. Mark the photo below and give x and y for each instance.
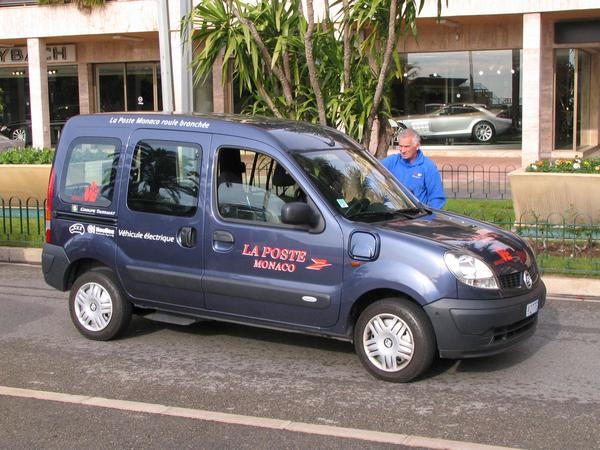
(318, 264)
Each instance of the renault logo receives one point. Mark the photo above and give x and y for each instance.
(527, 279)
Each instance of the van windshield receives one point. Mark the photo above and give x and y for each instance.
(356, 186)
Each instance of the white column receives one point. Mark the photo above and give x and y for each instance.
(38, 92)
(531, 70)
(537, 68)
(178, 68)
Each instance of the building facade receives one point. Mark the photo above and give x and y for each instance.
(526, 67)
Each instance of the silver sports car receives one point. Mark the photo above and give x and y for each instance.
(458, 120)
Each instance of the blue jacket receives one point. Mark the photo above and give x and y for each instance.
(421, 177)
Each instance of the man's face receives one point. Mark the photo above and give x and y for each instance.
(408, 150)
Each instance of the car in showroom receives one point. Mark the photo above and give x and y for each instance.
(465, 120)
(21, 131)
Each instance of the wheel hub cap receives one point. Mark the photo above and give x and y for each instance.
(93, 307)
(388, 342)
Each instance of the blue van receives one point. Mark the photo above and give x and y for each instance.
(275, 224)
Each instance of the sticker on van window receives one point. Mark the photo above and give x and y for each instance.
(93, 211)
(342, 203)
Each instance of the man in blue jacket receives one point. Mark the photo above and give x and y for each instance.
(415, 171)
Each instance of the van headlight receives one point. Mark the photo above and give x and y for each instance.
(470, 270)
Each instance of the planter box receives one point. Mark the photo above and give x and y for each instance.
(555, 197)
(24, 182)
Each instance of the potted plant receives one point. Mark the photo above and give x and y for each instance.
(559, 191)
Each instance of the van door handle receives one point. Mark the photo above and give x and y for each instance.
(222, 241)
(187, 237)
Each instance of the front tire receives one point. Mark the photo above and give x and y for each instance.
(97, 306)
(394, 340)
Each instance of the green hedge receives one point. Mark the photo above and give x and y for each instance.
(28, 155)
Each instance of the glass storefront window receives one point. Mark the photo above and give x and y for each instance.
(572, 109)
(140, 87)
(63, 100)
(564, 98)
(111, 87)
(63, 92)
(14, 83)
(584, 81)
(203, 96)
(470, 97)
(128, 87)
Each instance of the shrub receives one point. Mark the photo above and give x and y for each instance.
(27, 155)
(576, 165)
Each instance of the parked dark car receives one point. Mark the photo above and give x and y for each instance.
(275, 224)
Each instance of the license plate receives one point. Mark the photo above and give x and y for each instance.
(532, 308)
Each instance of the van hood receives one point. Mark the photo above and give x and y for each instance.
(503, 251)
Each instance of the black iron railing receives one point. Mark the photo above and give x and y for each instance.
(563, 244)
(478, 182)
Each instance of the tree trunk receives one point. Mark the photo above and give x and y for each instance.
(384, 138)
(387, 56)
(346, 39)
(310, 62)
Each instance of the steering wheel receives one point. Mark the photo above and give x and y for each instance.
(357, 206)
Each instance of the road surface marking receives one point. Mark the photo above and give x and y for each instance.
(251, 421)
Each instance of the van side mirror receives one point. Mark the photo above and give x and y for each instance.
(297, 213)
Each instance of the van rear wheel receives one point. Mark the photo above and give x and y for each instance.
(97, 306)
(394, 340)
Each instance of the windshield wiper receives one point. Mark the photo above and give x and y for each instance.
(409, 213)
(412, 212)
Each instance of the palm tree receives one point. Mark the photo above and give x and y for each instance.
(335, 73)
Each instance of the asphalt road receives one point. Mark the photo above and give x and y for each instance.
(543, 394)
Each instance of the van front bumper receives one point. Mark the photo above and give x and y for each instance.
(473, 328)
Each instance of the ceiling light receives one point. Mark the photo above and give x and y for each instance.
(119, 37)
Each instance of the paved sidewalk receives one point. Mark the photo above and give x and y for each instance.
(556, 285)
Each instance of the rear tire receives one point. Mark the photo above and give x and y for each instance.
(394, 340)
(97, 306)
(483, 132)
(20, 134)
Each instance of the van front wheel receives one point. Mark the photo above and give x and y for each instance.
(98, 309)
(394, 340)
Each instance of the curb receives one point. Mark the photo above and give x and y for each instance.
(556, 286)
(577, 287)
(21, 255)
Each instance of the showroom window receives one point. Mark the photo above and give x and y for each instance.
(63, 100)
(128, 87)
(461, 98)
(572, 107)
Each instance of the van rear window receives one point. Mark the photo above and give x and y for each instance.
(91, 171)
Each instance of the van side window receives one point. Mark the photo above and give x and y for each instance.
(253, 186)
(164, 178)
(91, 171)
